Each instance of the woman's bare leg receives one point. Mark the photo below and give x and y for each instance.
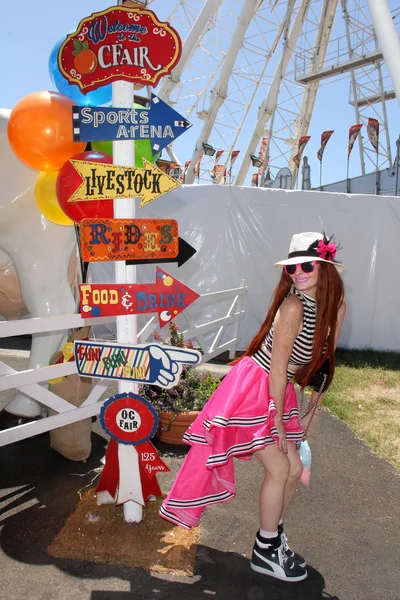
(296, 469)
(272, 493)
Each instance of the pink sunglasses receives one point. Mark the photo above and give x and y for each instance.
(306, 267)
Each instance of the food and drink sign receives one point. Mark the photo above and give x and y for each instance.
(167, 297)
(127, 239)
(119, 43)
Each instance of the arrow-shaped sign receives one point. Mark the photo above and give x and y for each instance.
(101, 181)
(124, 239)
(160, 123)
(186, 251)
(167, 297)
(157, 364)
(171, 122)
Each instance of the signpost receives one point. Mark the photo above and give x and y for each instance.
(160, 123)
(125, 239)
(101, 181)
(126, 45)
(167, 297)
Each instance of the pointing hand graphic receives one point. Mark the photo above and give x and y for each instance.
(166, 363)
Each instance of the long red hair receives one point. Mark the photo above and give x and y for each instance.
(329, 297)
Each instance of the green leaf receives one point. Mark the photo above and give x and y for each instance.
(85, 45)
(78, 45)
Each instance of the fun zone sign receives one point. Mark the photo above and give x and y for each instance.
(119, 43)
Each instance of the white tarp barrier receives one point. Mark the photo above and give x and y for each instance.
(240, 232)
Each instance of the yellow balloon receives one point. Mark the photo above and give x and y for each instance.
(46, 198)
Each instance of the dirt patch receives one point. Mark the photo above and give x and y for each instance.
(99, 534)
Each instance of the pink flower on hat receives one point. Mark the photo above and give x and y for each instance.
(326, 249)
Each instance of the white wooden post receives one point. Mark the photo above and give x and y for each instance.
(124, 208)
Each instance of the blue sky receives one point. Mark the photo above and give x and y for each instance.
(30, 30)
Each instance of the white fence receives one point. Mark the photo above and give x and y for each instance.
(28, 381)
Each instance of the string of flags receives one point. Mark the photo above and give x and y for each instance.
(220, 173)
(354, 130)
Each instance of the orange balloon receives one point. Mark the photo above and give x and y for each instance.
(40, 131)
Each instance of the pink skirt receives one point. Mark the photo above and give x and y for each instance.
(237, 420)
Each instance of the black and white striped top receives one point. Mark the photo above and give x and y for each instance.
(302, 347)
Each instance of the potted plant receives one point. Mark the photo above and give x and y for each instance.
(178, 407)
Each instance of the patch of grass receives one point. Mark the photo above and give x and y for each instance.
(365, 394)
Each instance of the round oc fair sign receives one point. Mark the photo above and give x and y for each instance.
(129, 419)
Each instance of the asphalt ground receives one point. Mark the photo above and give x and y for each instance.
(347, 526)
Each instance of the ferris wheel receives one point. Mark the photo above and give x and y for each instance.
(249, 76)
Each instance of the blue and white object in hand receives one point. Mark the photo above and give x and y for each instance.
(305, 455)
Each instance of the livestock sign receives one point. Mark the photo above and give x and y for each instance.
(101, 181)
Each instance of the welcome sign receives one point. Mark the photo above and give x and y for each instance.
(119, 43)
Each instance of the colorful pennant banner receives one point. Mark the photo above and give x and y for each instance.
(303, 141)
(261, 155)
(234, 156)
(325, 136)
(373, 133)
(353, 134)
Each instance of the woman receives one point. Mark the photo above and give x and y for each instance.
(255, 410)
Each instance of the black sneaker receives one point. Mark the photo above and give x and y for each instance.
(273, 561)
(297, 558)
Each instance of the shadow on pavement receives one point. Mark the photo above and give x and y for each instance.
(220, 575)
(38, 494)
(39, 491)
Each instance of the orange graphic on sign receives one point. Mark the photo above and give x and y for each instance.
(128, 239)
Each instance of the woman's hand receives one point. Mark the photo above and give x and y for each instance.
(282, 443)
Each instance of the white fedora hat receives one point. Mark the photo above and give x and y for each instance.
(309, 246)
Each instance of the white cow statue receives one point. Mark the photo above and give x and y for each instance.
(40, 252)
